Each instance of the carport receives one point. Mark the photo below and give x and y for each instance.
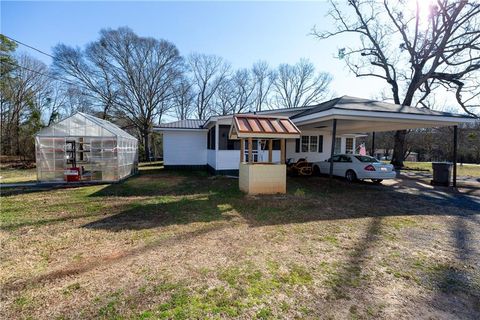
(350, 115)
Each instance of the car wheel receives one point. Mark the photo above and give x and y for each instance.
(377, 181)
(316, 171)
(351, 176)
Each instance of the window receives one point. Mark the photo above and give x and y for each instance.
(254, 150)
(349, 145)
(338, 145)
(276, 145)
(223, 142)
(211, 139)
(263, 143)
(366, 159)
(345, 159)
(313, 144)
(308, 144)
(320, 144)
(305, 143)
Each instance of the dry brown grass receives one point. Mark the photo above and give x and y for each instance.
(183, 245)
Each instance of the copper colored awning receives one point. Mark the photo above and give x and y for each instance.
(256, 126)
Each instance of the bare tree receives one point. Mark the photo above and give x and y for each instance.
(183, 99)
(144, 71)
(263, 78)
(77, 99)
(414, 49)
(208, 72)
(51, 101)
(298, 85)
(133, 76)
(88, 71)
(235, 93)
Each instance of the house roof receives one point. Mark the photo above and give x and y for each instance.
(360, 104)
(345, 106)
(262, 112)
(183, 124)
(261, 126)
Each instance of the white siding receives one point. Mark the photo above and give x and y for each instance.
(184, 147)
(263, 156)
(190, 148)
(212, 158)
(230, 159)
(315, 156)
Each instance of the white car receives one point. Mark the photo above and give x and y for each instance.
(355, 166)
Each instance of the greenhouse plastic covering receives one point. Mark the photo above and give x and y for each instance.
(97, 148)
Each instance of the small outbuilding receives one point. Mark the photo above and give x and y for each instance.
(85, 148)
(267, 177)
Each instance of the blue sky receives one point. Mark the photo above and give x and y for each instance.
(240, 32)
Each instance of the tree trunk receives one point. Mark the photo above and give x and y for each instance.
(398, 150)
(17, 130)
(400, 135)
(146, 145)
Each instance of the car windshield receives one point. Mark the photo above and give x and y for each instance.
(366, 159)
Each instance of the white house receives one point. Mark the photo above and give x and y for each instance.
(205, 143)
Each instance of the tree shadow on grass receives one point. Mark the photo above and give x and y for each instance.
(350, 274)
(164, 212)
(459, 277)
(314, 201)
(176, 198)
(48, 221)
(186, 199)
(166, 182)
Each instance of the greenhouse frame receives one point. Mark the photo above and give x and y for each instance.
(85, 148)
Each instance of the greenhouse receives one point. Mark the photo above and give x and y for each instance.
(85, 148)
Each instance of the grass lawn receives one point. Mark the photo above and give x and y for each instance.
(9, 175)
(464, 170)
(173, 245)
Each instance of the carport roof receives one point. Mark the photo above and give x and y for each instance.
(360, 104)
(356, 115)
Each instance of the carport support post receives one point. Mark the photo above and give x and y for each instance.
(332, 149)
(372, 152)
(455, 142)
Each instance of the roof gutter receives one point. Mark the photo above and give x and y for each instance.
(160, 129)
(380, 115)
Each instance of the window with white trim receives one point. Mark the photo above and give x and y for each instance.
(338, 145)
(349, 145)
(313, 143)
(307, 144)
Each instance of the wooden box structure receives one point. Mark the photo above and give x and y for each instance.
(262, 177)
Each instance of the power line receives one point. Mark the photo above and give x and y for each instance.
(35, 71)
(40, 73)
(29, 46)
